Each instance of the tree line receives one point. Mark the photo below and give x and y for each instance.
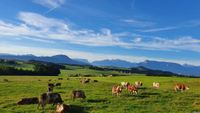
(40, 68)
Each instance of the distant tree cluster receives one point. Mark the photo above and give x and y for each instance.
(10, 62)
(40, 68)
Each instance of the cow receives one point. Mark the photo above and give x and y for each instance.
(78, 94)
(50, 87)
(125, 84)
(62, 108)
(58, 84)
(132, 89)
(156, 85)
(180, 87)
(60, 78)
(49, 98)
(85, 80)
(24, 101)
(95, 80)
(5, 80)
(116, 90)
(138, 84)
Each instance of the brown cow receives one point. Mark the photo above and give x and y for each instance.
(116, 90)
(181, 87)
(78, 94)
(132, 89)
(33, 100)
(62, 108)
(49, 98)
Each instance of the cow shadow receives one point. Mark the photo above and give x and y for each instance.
(149, 93)
(96, 100)
(78, 109)
(142, 88)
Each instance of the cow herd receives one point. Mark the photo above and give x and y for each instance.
(54, 98)
(133, 88)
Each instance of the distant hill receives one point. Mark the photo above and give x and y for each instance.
(114, 63)
(154, 65)
(59, 59)
(82, 60)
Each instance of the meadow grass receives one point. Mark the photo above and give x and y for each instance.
(99, 97)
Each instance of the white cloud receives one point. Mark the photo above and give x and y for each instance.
(41, 27)
(157, 43)
(36, 27)
(137, 40)
(159, 29)
(138, 23)
(50, 3)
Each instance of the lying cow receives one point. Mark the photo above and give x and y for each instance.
(125, 84)
(116, 90)
(181, 87)
(78, 94)
(132, 89)
(156, 85)
(23, 101)
(49, 98)
(138, 84)
(62, 108)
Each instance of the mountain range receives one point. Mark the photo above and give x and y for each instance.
(60, 59)
(154, 65)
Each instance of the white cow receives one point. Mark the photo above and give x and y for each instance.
(156, 85)
(138, 84)
(125, 84)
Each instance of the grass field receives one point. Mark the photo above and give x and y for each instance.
(99, 98)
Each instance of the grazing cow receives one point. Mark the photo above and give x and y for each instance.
(132, 89)
(33, 100)
(50, 87)
(62, 108)
(181, 87)
(49, 98)
(138, 84)
(78, 94)
(156, 85)
(85, 80)
(95, 80)
(116, 90)
(5, 80)
(58, 84)
(60, 78)
(125, 84)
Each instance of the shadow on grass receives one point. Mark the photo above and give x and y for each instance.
(78, 109)
(143, 88)
(96, 100)
(149, 93)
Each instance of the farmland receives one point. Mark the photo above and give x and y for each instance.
(99, 98)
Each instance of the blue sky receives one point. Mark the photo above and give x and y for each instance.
(132, 30)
